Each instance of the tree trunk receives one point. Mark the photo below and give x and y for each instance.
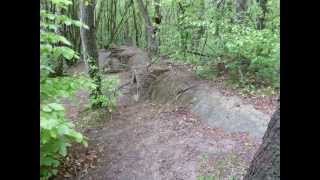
(126, 31)
(150, 32)
(181, 27)
(201, 29)
(135, 25)
(261, 18)
(157, 20)
(241, 7)
(124, 19)
(266, 162)
(88, 37)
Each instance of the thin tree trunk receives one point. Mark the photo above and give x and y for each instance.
(99, 14)
(157, 21)
(201, 29)
(88, 37)
(135, 24)
(241, 7)
(119, 25)
(151, 39)
(183, 34)
(126, 31)
(266, 162)
(261, 18)
(112, 18)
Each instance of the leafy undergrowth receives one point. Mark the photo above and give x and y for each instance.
(80, 158)
(57, 132)
(78, 107)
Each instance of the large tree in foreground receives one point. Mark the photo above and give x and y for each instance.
(88, 37)
(266, 162)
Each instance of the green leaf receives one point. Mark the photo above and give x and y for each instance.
(56, 106)
(48, 123)
(47, 161)
(64, 40)
(52, 133)
(77, 136)
(68, 22)
(80, 24)
(63, 149)
(46, 68)
(46, 109)
(66, 52)
(53, 27)
(63, 129)
(51, 16)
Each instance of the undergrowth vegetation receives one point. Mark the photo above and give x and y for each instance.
(208, 37)
(56, 131)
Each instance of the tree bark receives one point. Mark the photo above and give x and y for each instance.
(88, 37)
(157, 20)
(181, 27)
(261, 18)
(241, 7)
(126, 31)
(266, 162)
(135, 24)
(150, 32)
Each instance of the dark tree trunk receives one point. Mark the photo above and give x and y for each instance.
(150, 31)
(181, 28)
(88, 37)
(266, 162)
(157, 20)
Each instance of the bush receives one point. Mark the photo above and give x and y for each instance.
(226, 41)
(56, 132)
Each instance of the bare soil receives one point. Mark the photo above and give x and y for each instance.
(146, 141)
(150, 141)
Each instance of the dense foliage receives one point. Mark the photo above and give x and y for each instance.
(220, 40)
(56, 132)
(206, 33)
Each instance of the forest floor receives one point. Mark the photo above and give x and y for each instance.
(148, 141)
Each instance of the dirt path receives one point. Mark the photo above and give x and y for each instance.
(147, 141)
(144, 144)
